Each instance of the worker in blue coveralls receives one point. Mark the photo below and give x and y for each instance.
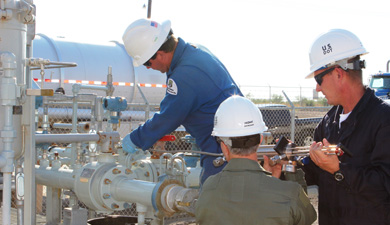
(197, 82)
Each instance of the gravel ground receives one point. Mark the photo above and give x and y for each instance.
(314, 202)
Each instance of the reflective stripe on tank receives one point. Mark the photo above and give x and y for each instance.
(100, 83)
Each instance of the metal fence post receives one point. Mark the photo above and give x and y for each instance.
(292, 117)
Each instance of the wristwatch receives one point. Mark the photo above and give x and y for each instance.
(338, 175)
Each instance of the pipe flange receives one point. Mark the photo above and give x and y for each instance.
(159, 194)
(145, 169)
(118, 172)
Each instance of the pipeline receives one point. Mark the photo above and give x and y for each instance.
(8, 132)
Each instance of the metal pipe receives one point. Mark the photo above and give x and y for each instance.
(19, 186)
(142, 105)
(3, 162)
(110, 87)
(55, 103)
(129, 190)
(85, 114)
(165, 156)
(8, 133)
(92, 87)
(103, 138)
(387, 68)
(81, 127)
(45, 120)
(292, 136)
(183, 168)
(141, 210)
(12, 186)
(37, 64)
(191, 151)
(74, 109)
(267, 150)
(99, 113)
(28, 123)
(65, 138)
(7, 198)
(57, 178)
(262, 150)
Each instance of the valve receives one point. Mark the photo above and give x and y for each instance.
(294, 155)
(115, 105)
(160, 146)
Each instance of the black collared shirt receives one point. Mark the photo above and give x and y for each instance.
(363, 197)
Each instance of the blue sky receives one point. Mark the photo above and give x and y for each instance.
(261, 42)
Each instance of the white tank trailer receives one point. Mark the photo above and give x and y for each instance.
(93, 61)
(141, 87)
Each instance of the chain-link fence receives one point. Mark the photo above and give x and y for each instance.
(295, 123)
(301, 96)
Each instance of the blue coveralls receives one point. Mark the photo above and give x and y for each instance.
(197, 82)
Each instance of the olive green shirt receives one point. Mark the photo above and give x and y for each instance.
(244, 193)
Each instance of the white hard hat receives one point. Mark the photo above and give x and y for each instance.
(334, 47)
(143, 38)
(237, 117)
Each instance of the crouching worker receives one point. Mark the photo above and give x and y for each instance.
(244, 192)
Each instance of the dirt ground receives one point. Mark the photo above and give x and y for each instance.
(314, 202)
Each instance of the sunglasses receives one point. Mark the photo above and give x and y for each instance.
(219, 140)
(148, 63)
(319, 77)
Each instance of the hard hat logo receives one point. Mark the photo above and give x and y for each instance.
(238, 117)
(334, 47)
(143, 38)
(249, 123)
(327, 49)
(154, 24)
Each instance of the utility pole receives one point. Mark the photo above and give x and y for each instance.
(149, 9)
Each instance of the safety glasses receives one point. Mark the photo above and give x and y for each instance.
(219, 140)
(148, 63)
(319, 77)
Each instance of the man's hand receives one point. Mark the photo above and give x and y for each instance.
(276, 170)
(127, 145)
(159, 145)
(329, 163)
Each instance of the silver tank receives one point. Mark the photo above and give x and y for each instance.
(13, 38)
(93, 61)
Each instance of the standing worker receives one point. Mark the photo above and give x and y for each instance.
(244, 192)
(352, 189)
(197, 82)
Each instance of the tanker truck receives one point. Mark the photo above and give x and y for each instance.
(380, 82)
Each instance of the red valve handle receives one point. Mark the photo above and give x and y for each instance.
(168, 138)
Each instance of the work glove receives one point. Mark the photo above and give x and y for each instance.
(127, 145)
